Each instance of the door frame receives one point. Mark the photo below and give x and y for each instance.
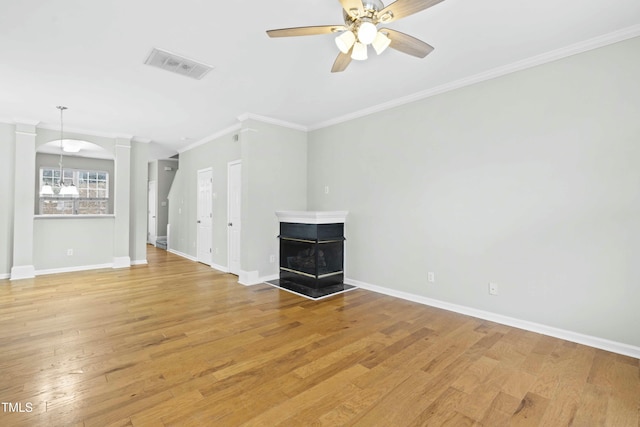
(230, 267)
(210, 258)
(151, 238)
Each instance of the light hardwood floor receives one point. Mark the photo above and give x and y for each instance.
(177, 343)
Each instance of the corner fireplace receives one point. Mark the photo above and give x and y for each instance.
(312, 253)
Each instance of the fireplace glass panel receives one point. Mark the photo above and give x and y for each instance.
(311, 258)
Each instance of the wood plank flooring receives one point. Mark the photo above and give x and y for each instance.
(175, 343)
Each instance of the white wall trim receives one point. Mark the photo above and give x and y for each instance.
(72, 269)
(271, 120)
(210, 138)
(140, 262)
(18, 132)
(141, 140)
(111, 135)
(250, 278)
(5, 276)
(222, 268)
(601, 343)
(121, 262)
(593, 43)
(182, 254)
(23, 272)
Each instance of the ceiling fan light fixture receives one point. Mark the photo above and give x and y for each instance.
(386, 17)
(367, 32)
(345, 40)
(381, 42)
(359, 52)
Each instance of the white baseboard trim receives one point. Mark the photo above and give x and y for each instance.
(121, 262)
(23, 272)
(250, 278)
(222, 268)
(5, 276)
(183, 255)
(601, 343)
(72, 269)
(140, 262)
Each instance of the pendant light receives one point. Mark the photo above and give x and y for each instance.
(65, 190)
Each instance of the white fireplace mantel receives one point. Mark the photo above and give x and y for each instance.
(312, 217)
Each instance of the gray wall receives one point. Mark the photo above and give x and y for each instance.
(182, 196)
(274, 177)
(138, 203)
(7, 160)
(164, 179)
(91, 239)
(530, 180)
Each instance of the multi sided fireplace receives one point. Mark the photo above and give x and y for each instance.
(312, 252)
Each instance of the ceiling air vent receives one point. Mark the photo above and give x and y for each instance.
(177, 64)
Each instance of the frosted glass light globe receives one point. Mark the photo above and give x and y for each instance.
(367, 32)
(345, 40)
(359, 52)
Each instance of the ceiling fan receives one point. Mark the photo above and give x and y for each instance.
(360, 29)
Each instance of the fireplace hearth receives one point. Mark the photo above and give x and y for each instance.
(312, 253)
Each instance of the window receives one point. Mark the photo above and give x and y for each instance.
(92, 187)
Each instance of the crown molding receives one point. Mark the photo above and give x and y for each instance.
(141, 140)
(210, 138)
(111, 135)
(28, 122)
(271, 120)
(554, 55)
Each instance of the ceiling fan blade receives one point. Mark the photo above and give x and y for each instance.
(407, 44)
(306, 31)
(402, 8)
(342, 62)
(354, 8)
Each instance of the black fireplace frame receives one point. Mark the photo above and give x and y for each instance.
(322, 247)
(312, 259)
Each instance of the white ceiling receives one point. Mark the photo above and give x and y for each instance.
(88, 56)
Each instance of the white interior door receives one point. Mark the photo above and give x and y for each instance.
(234, 176)
(204, 216)
(152, 225)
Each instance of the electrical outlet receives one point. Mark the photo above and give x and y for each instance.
(272, 258)
(326, 189)
(69, 252)
(431, 277)
(493, 289)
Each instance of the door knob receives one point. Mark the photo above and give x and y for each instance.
(230, 224)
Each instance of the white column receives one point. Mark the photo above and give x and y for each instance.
(23, 200)
(121, 257)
